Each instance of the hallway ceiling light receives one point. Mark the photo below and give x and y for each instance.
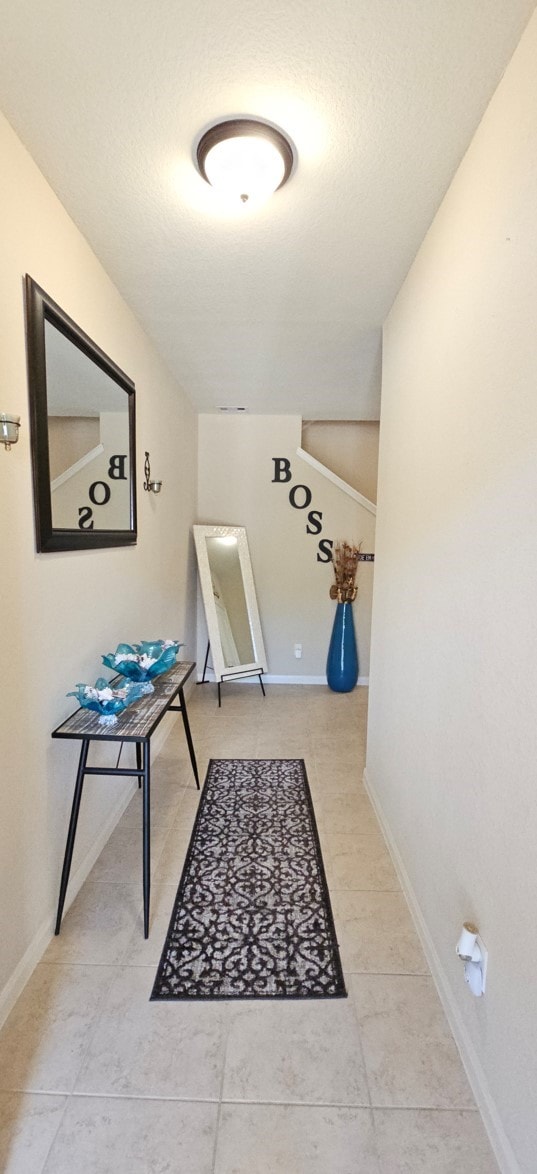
(245, 158)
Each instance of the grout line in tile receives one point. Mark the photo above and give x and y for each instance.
(95, 880)
(58, 964)
(390, 973)
(419, 1108)
(301, 1104)
(217, 1129)
(221, 1090)
(96, 1016)
(27, 1091)
(360, 889)
(359, 1029)
(423, 1109)
(118, 1096)
(56, 1131)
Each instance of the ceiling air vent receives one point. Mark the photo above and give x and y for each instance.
(233, 409)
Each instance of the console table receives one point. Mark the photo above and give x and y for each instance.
(136, 724)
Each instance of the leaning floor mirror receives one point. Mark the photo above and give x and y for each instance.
(229, 599)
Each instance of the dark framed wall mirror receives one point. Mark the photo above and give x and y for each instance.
(82, 416)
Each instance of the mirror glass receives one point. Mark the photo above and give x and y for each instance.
(230, 601)
(82, 415)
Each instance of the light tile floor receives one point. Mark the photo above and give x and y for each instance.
(96, 1079)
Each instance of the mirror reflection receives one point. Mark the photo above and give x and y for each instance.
(88, 439)
(229, 598)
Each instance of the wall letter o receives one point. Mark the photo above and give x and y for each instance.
(292, 497)
(106, 492)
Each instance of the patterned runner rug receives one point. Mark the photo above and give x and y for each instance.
(252, 916)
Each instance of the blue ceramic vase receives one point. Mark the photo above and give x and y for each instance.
(342, 662)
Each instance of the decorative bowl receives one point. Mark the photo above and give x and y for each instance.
(105, 700)
(142, 662)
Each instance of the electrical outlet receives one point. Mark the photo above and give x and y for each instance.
(298, 651)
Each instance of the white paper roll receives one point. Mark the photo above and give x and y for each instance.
(467, 941)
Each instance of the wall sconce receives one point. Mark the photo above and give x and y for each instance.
(149, 485)
(9, 429)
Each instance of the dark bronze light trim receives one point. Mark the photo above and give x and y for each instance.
(235, 127)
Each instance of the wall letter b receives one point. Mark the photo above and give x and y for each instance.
(282, 469)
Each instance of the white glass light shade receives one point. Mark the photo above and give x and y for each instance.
(9, 429)
(245, 167)
(245, 158)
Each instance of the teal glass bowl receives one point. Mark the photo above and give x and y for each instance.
(106, 700)
(142, 662)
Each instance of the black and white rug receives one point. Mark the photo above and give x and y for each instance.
(252, 916)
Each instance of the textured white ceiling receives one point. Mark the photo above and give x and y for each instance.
(279, 308)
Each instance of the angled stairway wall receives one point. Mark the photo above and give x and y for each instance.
(349, 448)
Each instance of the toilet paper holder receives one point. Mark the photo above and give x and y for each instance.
(473, 953)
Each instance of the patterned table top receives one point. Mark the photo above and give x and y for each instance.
(137, 721)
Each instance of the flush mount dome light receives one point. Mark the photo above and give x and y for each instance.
(245, 158)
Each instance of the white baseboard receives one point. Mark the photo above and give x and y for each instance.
(293, 679)
(16, 983)
(275, 679)
(472, 1064)
(278, 679)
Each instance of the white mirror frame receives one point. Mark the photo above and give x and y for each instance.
(221, 671)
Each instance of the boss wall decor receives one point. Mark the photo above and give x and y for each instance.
(82, 431)
(300, 498)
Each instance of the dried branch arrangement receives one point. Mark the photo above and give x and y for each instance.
(345, 562)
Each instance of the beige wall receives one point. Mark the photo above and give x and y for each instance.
(453, 733)
(61, 611)
(236, 488)
(349, 448)
(69, 439)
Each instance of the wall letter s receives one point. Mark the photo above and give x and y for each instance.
(325, 546)
(315, 522)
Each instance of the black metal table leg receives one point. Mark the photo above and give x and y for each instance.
(188, 737)
(138, 729)
(262, 686)
(72, 830)
(146, 835)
